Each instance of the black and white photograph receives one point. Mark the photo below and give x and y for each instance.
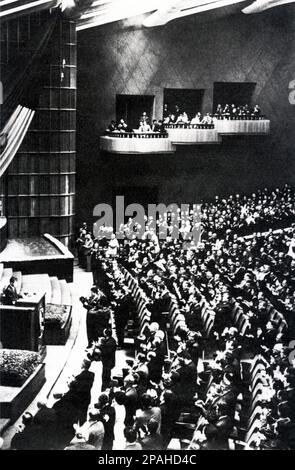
(147, 228)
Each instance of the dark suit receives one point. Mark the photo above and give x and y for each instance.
(108, 359)
(109, 423)
(83, 392)
(96, 321)
(152, 442)
(131, 399)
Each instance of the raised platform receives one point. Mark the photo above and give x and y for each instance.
(243, 126)
(39, 255)
(193, 134)
(14, 400)
(136, 143)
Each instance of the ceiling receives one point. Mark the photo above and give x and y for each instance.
(93, 13)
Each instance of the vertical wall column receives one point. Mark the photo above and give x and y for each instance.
(41, 179)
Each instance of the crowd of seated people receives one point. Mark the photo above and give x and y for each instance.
(276, 430)
(258, 212)
(173, 115)
(240, 277)
(157, 126)
(231, 111)
(177, 116)
(121, 126)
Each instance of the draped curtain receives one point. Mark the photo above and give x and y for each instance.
(20, 82)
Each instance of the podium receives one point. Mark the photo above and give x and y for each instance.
(22, 324)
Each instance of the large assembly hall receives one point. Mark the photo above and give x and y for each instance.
(147, 225)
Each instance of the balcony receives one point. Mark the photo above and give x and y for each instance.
(136, 143)
(190, 134)
(235, 126)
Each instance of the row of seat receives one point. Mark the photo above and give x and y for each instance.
(247, 436)
(137, 294)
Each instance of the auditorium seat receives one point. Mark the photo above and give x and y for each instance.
(253, 423)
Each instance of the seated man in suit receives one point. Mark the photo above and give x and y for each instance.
(123, 126)
(112, 127)
(207, 119)
(161, 127)
(155, 126)
(197, 119)
(10, 295)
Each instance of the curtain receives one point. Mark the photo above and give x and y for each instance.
(20, 79)
(13, 134)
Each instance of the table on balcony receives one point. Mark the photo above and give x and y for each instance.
(189, 134)
(242, 126)
(136, 142)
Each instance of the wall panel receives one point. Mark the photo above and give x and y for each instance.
(40, 181)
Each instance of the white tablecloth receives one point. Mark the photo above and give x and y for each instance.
(225, 126)
(136, 145)
(193, 136)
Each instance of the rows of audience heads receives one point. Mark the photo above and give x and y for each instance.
(145, 126)
(242, 272)
(238, 112)
(176, 115)
(245, 260)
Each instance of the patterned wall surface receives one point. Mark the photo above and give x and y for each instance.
(187, 54)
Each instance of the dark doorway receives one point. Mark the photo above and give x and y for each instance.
(131, 108)
(136, 195)
(188, 100)
(238, 93)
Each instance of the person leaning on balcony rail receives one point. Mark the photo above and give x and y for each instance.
(112, 127)
(123, 126)
(182, 118)
(207, 119)
(158, 126)
(197, 119)
(144, 126)
(155, 126)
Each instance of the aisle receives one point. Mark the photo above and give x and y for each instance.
(62, 362)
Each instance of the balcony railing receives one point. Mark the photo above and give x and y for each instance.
(189, 134)
(250, 125)
(136, 142)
